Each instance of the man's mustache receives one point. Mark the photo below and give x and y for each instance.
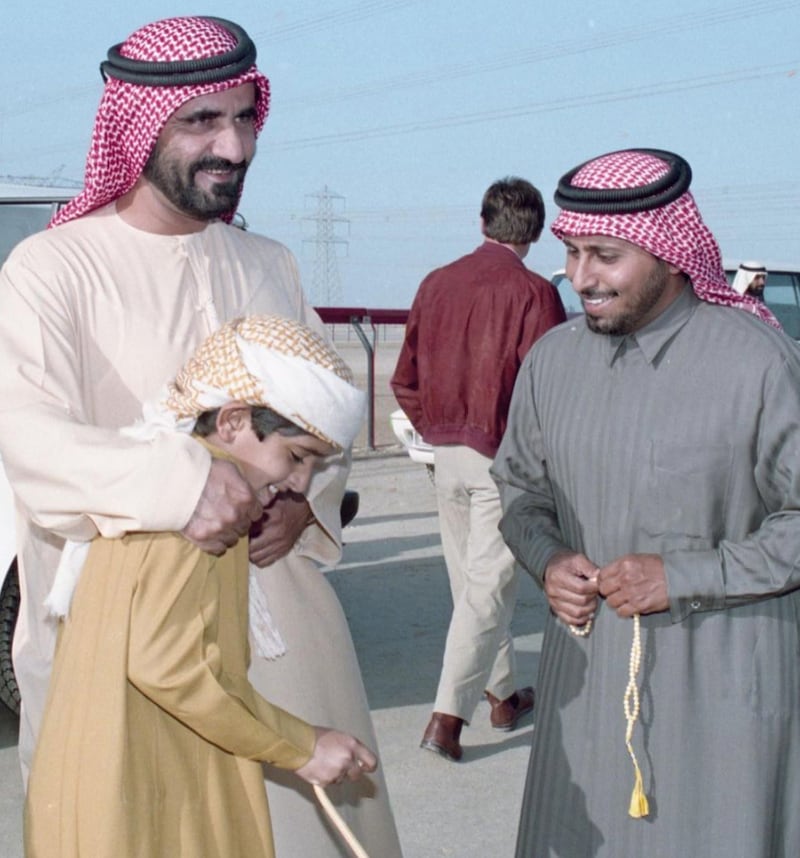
(218, 164)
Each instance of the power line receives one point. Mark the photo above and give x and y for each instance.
(558, 50)
(358, 12)
(54, 180)
(560, 104)
(731, 201)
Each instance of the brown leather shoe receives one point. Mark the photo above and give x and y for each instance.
(442, 735)
(506, 713)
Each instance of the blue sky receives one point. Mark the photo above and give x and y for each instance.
(406, 110)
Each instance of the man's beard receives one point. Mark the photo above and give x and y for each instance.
(629, 320)
(177, 184)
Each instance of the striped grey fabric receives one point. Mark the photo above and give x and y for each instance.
(682, 439)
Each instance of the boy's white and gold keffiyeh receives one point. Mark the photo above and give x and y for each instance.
(263, 361)
(259, 360)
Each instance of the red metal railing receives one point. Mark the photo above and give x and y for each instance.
(361, 318)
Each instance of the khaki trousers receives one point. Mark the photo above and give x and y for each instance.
(479, 652)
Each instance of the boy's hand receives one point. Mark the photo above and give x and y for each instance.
(336, 757)
(225, 512)
(279, 528)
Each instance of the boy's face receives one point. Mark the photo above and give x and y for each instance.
(279, 462)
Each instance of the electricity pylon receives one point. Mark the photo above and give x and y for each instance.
(326, 289)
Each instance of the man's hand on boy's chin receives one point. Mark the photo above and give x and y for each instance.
(224, 511)
(285, 518)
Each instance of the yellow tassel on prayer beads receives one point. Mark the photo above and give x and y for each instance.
(639, 806)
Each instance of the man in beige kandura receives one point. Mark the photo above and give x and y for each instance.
(95, 313)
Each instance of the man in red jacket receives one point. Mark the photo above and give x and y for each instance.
(471, 324)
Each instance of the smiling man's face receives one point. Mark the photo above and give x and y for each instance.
(199, 162)
(622, 287)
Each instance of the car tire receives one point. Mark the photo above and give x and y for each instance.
(9, 610)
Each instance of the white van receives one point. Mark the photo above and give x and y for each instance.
(24, 209)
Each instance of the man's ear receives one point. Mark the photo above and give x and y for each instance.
(232, 418)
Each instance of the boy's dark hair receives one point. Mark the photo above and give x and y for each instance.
(512, 211)
(264, 421)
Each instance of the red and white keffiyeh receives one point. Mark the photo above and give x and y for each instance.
(674, 232)
(131, 116)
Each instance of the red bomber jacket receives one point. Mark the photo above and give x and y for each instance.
(471, 324)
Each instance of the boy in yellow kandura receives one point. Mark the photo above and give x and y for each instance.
(153, 738)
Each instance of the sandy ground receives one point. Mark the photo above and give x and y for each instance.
(393, 585)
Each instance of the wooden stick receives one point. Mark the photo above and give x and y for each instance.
(341, 826)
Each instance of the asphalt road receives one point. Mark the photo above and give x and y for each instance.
(393, 585)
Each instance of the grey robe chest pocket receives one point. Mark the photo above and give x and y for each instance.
(684, 495)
